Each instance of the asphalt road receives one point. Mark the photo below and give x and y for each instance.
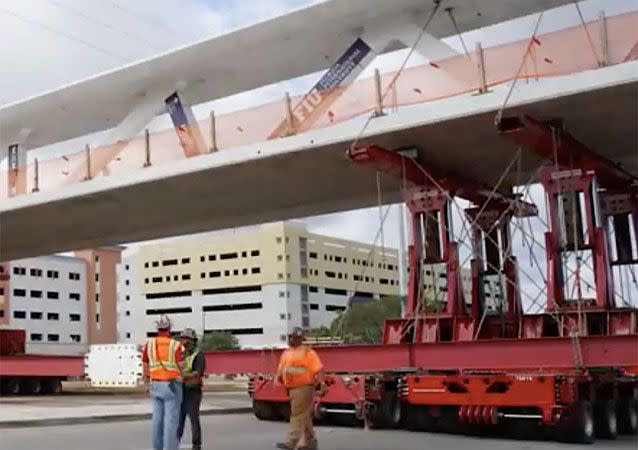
(244, 432)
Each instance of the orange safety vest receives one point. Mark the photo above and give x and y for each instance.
(298, 367)
(162, 361)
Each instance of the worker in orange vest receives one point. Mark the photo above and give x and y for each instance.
(300, 370)
(162, 356)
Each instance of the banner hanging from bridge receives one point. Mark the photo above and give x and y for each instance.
(186, 127)
(326, 91)
(17, 171)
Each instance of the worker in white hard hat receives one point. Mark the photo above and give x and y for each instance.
(163, 356)
(300, 371)
(193, 372)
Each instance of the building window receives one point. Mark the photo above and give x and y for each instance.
(74, 296)
(313, 289)
(53, 316)
(331, 274)
(36, 315)
(280, 257)
(128, 335)
(53, 295)
(128, 297)
(19, 293)
(278, 239)
(19, 271)
(74, 276)
(282, 337)
(128, 282)
(255, 270)
(335, 308)
(126, 267)
(34, 272)
(146, 265)
(202, 258)
(186, 260)
(228, 255)
(226, 273)
(254, 253)
(97, 318)
(145, 280)
(280, 276)
(175, 278)
(97, 298)
(244, 254)
(236, 272)
(169, 262)
(212, 257)
(75, 337)
(53, 274)
(19, 315)
(215, 274)
(155, 264)
(282, 294)
(157, 279)
(244, 271)
(128, 313)
(53, 337)
(282, 316)
(36, 337)
(97, 277)
(313, 255)
(314, 306)
(74, 317)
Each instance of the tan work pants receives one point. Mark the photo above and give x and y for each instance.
(301, 415)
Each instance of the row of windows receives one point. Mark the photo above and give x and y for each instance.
(37, 315)
(53, 295)
(356, 262)
(37, 337)
(34, 272)
(203, 258)
(203, 275)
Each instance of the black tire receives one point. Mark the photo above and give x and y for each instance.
(11, 386)
(627, 415)
(264, 410)
(579, 426)
(31, 386)
(51, 386)
(282, 411)
(417, 418)
(387, 412)
(605, 421)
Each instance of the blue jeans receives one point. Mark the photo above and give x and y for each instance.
(166, 397)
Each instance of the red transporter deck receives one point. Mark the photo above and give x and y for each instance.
(41, 366)
(497, 354)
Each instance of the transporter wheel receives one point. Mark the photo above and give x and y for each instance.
(31, 386)
(627, 414)
(417, 418)
(579, 426)
(282, 411)
(605, 419)
(11, 386)
(387, 412)
(264, 410)
(51, 386)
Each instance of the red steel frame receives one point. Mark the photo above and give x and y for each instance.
(542, 364)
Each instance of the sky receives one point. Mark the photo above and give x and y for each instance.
(56, 42)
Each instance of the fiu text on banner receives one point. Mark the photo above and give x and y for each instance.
(327, 90)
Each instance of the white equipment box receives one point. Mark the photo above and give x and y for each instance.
(114, 365)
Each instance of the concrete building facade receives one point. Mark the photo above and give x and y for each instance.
(55, 299)
(257, 284)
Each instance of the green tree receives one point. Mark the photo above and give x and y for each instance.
(218, 340)
(363, 322)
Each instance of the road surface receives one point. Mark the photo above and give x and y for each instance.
(244, 432)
